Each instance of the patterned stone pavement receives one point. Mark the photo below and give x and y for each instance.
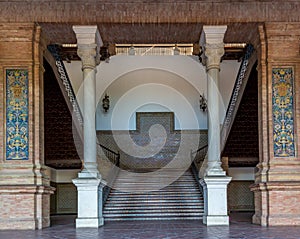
(240, 228)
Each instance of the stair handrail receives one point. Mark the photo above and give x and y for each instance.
(53, 49)
(198, 156)
(240, 83)
(113, 156)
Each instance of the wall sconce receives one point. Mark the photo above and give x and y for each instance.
(203, 103)
(105, 103)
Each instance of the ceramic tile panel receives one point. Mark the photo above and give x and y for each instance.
(17, 114)
(283, 112)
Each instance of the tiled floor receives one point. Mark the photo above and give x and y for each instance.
(240, 228)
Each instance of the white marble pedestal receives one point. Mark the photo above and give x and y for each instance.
(215, 200)
(89, 202)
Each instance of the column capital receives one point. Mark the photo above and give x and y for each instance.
(211, 41)
(88, 55)
(213, 54)
(88, 43)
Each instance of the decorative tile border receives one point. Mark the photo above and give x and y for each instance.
(283, 112)
(17, 114)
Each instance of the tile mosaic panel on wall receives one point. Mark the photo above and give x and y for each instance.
(283, 112)
(140, 137)
(17, 114)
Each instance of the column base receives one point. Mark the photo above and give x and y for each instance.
(90, 172)
(216, 220)
(89, 202)
(214, 169)
(89, 222)
(211, 169)
(87, 175)
(215, 200)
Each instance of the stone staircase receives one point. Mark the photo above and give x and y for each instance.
(181, 200)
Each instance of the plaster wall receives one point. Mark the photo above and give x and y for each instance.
(241, 174)
(153, 84)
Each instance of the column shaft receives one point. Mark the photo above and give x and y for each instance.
(88, 53)
(213, 118)
(89, 86)
(213, 53)
(89, 183)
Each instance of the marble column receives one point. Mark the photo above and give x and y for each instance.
(213, 178)
(89, 183)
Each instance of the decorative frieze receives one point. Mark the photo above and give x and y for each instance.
(283, 112)
(17, 114)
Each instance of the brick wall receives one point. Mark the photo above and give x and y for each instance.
(24, 188)
(276, 185)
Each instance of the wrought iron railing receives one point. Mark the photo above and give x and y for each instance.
(198, 156)
(236, 96)
(66, 82)
(113, 156)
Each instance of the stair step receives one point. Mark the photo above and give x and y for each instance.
(156, 180)
(152, 210)
(128, 200)
(154, 203)
(158, 214)
(156, 194)
(111, 200)
(151, 213)
(161, 218)
(154, 199)
(155, 183)
(128, 207)
(169, 188)
(161, 196)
